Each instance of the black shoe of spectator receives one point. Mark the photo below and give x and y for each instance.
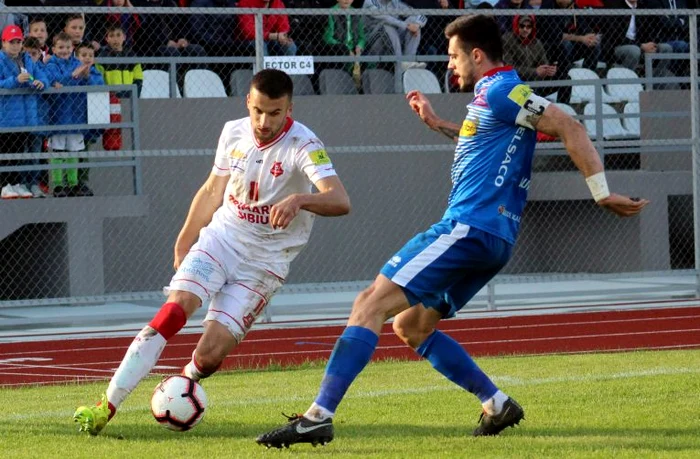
(61, 191)
(83, 190)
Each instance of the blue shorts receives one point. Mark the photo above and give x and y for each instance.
(444, 267)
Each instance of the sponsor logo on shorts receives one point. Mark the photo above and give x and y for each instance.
(199, 268)
(395, 260)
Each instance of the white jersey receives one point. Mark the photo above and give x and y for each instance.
(261, 176)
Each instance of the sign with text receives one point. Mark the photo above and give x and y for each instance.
(293, 65)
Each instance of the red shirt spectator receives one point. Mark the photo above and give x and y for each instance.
(277, 23)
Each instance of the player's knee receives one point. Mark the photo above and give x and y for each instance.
(189, 302)
(410, 332)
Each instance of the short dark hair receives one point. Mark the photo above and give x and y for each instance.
(273, 83)
(62, 36)
(114, 26)
(31, 43)
(83, 44)
(36, 20)
(73, 17)
(477, 31)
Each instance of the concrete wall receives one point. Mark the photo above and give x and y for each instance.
(394, 195)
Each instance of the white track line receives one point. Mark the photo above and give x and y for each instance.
(434, 386)
(253, 340)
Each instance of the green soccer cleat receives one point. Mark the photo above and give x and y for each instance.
(92, 419)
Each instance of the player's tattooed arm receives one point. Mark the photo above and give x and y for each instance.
(449, 130)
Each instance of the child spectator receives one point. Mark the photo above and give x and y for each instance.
(34, 179)
(38, 30)
(75, 28)
(64, 69)
(17, 71)
(119, 73)
(129, 23)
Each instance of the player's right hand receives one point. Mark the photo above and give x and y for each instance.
(623, 206)
(421, 105)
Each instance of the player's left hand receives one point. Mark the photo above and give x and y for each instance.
(282, 213)
(623, 206)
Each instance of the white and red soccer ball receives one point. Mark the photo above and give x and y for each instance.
(178, 403)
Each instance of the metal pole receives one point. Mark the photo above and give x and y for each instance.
(695, 149)
(259, 42)
(491, 295)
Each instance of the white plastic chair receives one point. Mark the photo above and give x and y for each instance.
(240, 81)
(203, 83)
(612, 127)
(422, 80)
(568, 109)
(631, 120)
(625, 91)
(156, 85)
(580, 94)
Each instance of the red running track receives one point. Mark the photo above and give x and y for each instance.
(58, 361)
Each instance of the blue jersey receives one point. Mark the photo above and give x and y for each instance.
(493, 159)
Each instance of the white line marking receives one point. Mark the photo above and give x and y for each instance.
(434, 386)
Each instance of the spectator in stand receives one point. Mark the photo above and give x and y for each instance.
(216, 32)
(276, 28)
(505, 22)
(35, 180)
(571, 37)
(119, 73)
(163, 34)
(344, 35)
(397, 35)
(676, 33)
(75, 28)
(66, 69)
(17, 71)
(433, 40)
(38, 30)
(7, 19)
(129, 23)
(628, 38)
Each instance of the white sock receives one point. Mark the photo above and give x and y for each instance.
(139, 360)
(318, 413)
(192, 371)
(494, 405)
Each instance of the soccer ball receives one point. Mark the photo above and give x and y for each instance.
(178, 403)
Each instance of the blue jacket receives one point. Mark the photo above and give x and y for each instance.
(69, 108)
(20, 109)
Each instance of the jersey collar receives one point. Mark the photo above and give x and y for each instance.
(283, 131)
(494, 71)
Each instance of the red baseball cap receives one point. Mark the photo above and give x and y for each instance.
(12, 32)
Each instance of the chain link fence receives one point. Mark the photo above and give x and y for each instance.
(124, 134)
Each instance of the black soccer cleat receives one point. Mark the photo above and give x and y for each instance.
(510, 415)
(298, 430)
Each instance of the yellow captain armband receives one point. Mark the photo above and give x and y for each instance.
(598, 186)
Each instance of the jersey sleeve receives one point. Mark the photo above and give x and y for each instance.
(515, 103)
(313, 160)
(221, 161)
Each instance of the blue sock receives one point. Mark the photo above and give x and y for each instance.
(351, 353)
(450, 359)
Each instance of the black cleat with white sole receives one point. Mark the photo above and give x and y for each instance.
(298, 430)
(510, 416)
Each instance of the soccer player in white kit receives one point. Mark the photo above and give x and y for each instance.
(245, 225)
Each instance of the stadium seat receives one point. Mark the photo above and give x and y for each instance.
(302, 85)
(581, 94)
(612, 127)
(336, 81)
(203, 83)
(625, 91)
(422, 80)
(156, 85)
(377, 81)
(631, 120)
(568, 109)
(240, 81)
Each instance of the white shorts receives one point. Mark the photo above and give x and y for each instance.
(67, 142)
(239, 288)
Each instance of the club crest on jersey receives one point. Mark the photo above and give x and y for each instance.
(469, 128)
(276, 169)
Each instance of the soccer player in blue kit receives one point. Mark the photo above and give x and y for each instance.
(437, 272)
